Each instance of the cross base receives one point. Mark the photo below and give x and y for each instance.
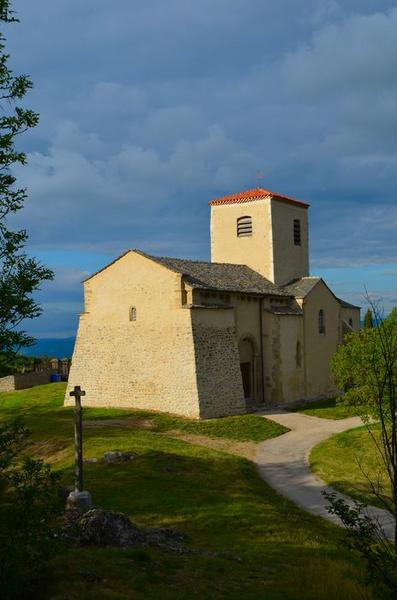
(80, 501)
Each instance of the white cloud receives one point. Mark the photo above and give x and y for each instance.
(358, 53)
(79, 200)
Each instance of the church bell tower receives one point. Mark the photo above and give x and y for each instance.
(266, 231)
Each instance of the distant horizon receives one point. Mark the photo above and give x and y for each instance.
(53, 347)
(48, 343)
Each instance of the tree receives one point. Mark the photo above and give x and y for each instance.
(368, 320)
(366, 368)
(20, 275)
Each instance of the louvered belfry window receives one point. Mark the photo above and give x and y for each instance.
(244, 226)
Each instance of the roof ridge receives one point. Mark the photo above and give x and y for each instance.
(193, 260)
(256, 194)
(229, 277)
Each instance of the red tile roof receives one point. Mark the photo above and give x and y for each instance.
(255, 194)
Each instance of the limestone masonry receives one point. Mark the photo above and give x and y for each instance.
(249, 329)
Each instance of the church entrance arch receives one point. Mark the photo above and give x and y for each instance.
(247, 367)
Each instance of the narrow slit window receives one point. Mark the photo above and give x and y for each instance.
(132, 313)
(244, 226)
(321, 322)
(298, 355)
(297, 232)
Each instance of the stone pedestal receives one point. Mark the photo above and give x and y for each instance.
(80, 501)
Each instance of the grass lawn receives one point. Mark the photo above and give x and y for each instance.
(345, 458)
(331, 408)
(245, 428)
(272, 550)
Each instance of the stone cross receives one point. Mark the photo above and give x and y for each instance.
(77, 393)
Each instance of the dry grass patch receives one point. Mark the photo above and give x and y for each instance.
(129, 422)
(246, 449)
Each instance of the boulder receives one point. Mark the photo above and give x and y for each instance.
(100, 527)
(117, 456)
(107, 528)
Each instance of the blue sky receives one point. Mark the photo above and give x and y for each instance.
(150, 109)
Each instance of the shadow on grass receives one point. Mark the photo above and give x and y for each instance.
(277, 551)
(284, 553)
(330, 408)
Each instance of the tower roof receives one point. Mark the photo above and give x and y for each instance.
(256, 194)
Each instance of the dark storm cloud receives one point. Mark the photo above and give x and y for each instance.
(149, 109)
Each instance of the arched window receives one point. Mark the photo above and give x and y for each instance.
(321, 321)
(298, 354)
(297, 232)
(132, 313)
(244, 226)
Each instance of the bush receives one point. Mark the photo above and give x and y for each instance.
(28, 508)
(365, 535)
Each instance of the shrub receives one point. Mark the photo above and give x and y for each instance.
(28, 508)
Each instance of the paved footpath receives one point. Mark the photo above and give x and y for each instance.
(284, 463)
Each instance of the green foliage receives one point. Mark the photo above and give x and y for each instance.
(365, 536)
(15, 364)
(20, 275)
(368, 320)
(366, 368)
(19, 363)
(12, 437)
(28, 505)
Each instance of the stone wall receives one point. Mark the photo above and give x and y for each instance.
(291, 359)
(184, 359)
(319, 348)
(347, 313)
(272, 359)
(256, 250)
(247, 317)
(146, 363)
(290, 261)
(270, 250)
(219, 381)
(21, 381)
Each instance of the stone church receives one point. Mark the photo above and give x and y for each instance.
(247, 330)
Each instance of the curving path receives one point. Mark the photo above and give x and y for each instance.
(284, 463)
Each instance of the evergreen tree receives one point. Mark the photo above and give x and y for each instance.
(368, 320)
(20, 275)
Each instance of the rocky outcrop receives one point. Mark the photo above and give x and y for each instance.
(100, 527)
